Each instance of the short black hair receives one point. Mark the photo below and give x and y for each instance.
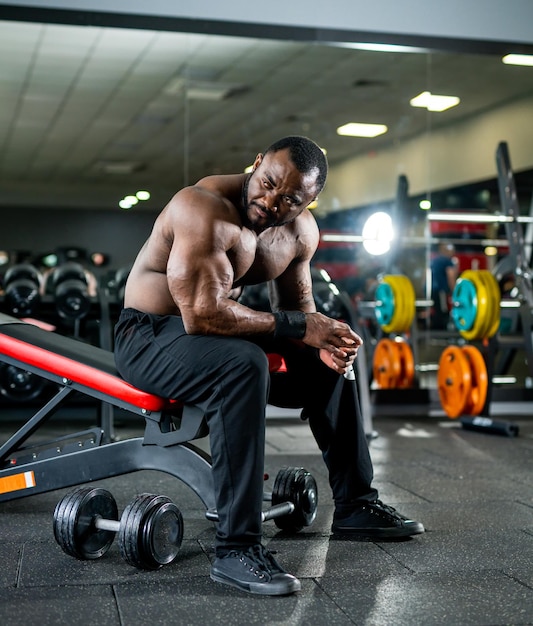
(306, 156)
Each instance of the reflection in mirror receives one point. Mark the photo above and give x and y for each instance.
(91, 114)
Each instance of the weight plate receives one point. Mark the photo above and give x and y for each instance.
(485, 308)
(137, 546)
(407, 365)
(464, 304)
(19, 385)
(454, 381)
(129, 534)
(385, 304)
(162, 534)
(298, 486)
(406, 292)
(494, 294)
(478, 369)
(386, 364)
(74, 528)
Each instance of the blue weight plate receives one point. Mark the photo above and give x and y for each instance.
(384, 304)
(464, 310)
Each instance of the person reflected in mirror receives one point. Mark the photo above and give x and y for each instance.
(444, 272)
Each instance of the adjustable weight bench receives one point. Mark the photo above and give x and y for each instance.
(82, 457)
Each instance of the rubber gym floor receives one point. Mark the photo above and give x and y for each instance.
(474, 565)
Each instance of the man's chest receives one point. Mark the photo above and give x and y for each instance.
(259, 259)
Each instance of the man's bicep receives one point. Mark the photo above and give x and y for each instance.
(198, 273)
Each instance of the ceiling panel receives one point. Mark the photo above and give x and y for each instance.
(86, 113)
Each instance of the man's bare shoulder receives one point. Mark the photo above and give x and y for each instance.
(306, 229)
(211, 193)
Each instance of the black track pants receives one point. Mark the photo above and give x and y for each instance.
(228, 379)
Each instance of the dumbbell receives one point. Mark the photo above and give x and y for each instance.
(71, 291)
(22, 284)
(150, 529)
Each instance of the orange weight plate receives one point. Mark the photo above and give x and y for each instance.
(478, 369)
(454, 381)
(407, 365)
(386, 366)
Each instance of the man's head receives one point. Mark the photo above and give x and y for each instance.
(447, 249)
(284, 181)
(306, 156)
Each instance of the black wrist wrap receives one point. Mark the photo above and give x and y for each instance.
(290, 324)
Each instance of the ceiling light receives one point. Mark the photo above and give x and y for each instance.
(119, 167)
(143, 195)
(131, 200)
(518, 59)
(425, 205)
(354, 129)
(123, 204)
(375, 47)
(432, 102)
(202, 90)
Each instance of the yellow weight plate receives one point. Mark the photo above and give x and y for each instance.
(480, 380)
(409, 300)
(454, 381)
(493, 291)
(404, 304)
(483, 319)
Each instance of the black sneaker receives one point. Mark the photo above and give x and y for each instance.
(254, 570)
(376, 520)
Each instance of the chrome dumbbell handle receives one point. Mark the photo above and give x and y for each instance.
(107, 524)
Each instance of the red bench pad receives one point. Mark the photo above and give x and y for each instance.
(75, 360)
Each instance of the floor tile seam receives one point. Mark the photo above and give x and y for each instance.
(316, 580)
(467, 572)
(526, 504)
(117, 604)
(395, 558)
(414, 493)
(516, 579)
(20, 559)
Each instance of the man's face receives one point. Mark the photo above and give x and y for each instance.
(276, 192)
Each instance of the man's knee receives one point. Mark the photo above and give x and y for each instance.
(247, 361)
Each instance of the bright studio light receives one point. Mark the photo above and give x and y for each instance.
(378, 233)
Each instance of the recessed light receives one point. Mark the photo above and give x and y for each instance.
(356, 129)
(143, 195)
(518, 59)
(433, 102)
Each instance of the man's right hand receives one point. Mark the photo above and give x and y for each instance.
(336, 341)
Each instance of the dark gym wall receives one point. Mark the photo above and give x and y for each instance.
(117, 233)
